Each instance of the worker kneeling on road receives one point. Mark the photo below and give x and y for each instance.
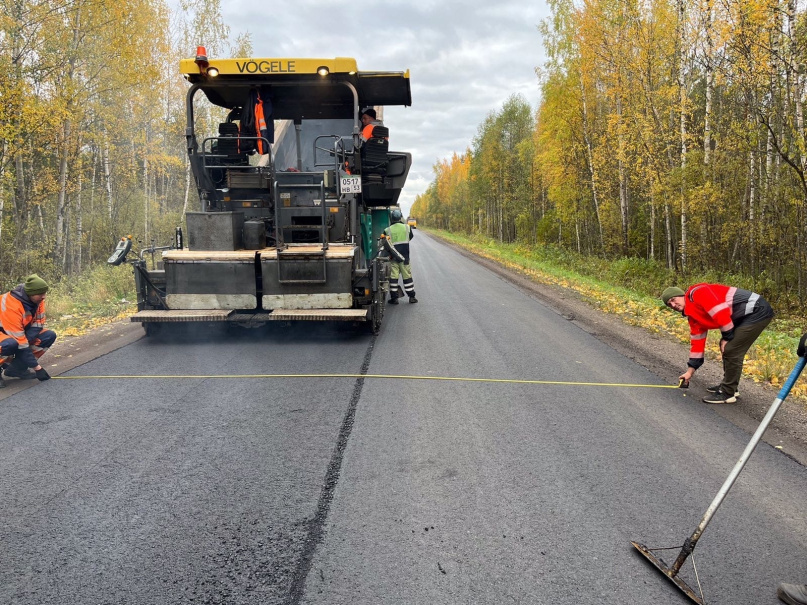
(399, 235)
(23, 337)
(739, 314)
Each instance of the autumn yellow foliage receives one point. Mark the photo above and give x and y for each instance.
(666, 131)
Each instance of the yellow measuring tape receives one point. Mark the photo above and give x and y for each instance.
(388, 376)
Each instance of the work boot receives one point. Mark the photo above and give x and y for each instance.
(720, 397)
(24, 374)
(792, 594)
(717, 389)
(412, 299)
(393, 300)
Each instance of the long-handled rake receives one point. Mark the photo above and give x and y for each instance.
(689, 545)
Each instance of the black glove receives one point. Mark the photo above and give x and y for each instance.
(42, 374)
(801, 350)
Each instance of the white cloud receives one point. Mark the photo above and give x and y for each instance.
(465, 60)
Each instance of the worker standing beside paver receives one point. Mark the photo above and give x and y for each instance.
(399, 235)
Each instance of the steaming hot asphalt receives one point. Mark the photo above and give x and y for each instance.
(324, 490)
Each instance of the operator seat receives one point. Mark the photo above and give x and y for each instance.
(228, 144)
(225, 152)
(374, 158)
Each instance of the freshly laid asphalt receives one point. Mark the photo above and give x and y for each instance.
(202, 476)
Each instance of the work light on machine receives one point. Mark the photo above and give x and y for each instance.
(323, 70)
(204, 65)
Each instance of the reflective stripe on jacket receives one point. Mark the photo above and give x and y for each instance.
(260, 126)
(719, 307)
(399, 236)
(18, 313)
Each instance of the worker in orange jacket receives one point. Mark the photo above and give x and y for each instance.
(368, 122)
(739, 314)
(23, 337)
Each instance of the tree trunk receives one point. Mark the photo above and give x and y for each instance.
(20, 203)
(795, 69)
(187, 187)
(2, 196)
(683, 126)
(41, 222)
(623, 185)
(61, 205)
(752, 195)
(709, 69)
(591, 170)
(668, 237)
(79, 221)
(107, 177)
(145, 198)
(500, 211)
(652, 250)
(92, 200)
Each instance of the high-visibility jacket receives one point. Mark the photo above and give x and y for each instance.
(253, 124)
(719, 307)
(260, 126)
(399, 236)
(18, 314)
(367, 131)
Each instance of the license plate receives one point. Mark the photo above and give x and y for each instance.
(350, 184)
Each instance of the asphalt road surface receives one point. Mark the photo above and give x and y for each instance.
(204, 477)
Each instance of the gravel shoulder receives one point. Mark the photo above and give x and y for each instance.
(666, 358)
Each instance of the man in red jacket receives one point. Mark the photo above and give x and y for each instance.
(739, 314)
(23, 337)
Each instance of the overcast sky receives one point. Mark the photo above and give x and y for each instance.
(465, 59)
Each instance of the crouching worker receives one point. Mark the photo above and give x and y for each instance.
(23, 337)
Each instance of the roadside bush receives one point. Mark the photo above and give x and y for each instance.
(96, 296)
(644, 276)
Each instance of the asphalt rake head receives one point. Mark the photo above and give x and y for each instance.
(671, 573)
